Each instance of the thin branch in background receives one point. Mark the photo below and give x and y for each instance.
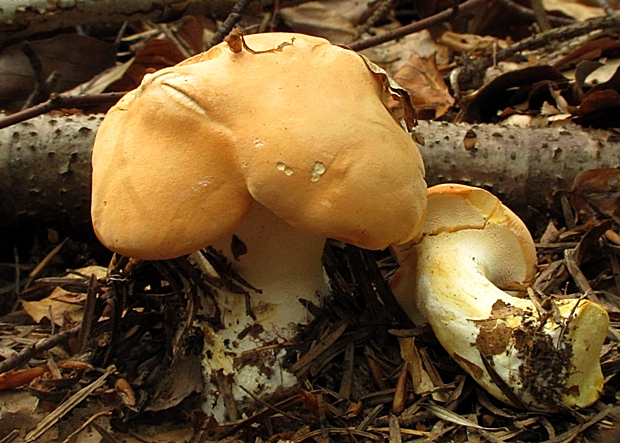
(181, 45)
(274, 15)
(420, 25)
(18, 276)
(88, 316)
(379, 13)
(609, 10)
(32, 351)
(467, 76)
(43, 85)
(60, 102)
(233, 18)
(541, 15)
(444, 16)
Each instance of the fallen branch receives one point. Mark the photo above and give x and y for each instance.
(31, 351)
(470, 75)
(20, 19)
(463, 9)
(45, 164)
(67, 406)
(59, 101)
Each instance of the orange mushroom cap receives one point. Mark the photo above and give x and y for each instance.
(299, 127)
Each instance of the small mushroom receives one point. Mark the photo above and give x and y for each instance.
(261, 149)
(461, 277)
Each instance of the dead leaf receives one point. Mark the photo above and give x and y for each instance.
(599, 109)
(517, 89)
(191, 29)
(52, 307)
(409, 352)
(17, 378)
(392, 56)
(18, 410)
(597, 191)
(591, 50)
(183, 378)
(75, 58)
(424, 83)
(126, 393)
(153, 56)
(316, 18)
(470, 43)
(575, 9)
(63, 304)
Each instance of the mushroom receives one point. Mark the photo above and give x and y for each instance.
(461, 276)
(273, 142)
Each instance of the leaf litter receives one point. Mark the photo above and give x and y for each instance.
(366, 374)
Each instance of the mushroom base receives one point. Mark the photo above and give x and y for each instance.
(249, 350)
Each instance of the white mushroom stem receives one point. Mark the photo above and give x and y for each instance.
(451, 278)
(285, 264)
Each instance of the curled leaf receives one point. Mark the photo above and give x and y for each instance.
(395, 91)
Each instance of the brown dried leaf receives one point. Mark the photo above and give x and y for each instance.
(183, 378)
(575, 9)
(76, 58)
(394, 92)
(153, 56)
(191, 30)
(589, 51)
(597, 191)
(321, 20)
(17, 378)
(311, 402)
(52, 306)
(354, 410)
(600, 109)
(470, 43)
(19, 411)
(125, 392)
(513, 89)
(62, 303)
(421, 381)
(423, 81)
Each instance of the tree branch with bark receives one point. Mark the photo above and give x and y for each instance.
(20, 19)
(45, 166)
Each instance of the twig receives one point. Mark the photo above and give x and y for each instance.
(64, 408)
(27, 353)
(468, 75)
(60, 102)
(47, 259)
(499, 382)
(379, 13)
(89, 311)
(609, 10)
(377, 284)
(541, 15)
(43, 84)
(233, 18)
(259, 415)
(87, 423)
(523, 13)
(274, 408)
(426, 23)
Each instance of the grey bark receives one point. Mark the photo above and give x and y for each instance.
(45, 164)
(45, 171)
(524, 167)
(21, 18)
